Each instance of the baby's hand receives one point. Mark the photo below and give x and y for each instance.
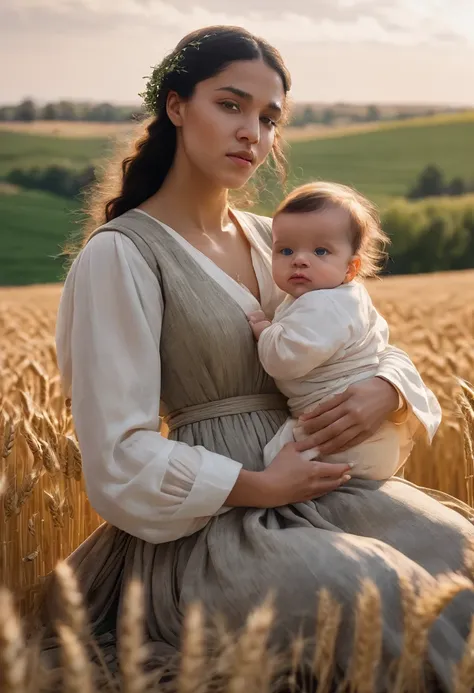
(258, 322)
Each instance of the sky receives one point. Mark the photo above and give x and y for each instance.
(359, 51)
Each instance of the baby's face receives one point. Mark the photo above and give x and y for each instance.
(311, 250)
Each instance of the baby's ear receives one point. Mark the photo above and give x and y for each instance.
(353, 269)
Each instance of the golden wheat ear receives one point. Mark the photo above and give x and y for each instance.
(466, 408)
(328, 622)
(420, 612)
(13, 653)
(194, 670)
(74, 614)
(77, 670)
(132, 652)
(367, 646)
(464, 671)
(253, 665)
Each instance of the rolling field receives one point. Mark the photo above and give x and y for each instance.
(382, 161)
(385, 162)
(33, 227)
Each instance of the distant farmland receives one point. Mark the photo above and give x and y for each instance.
(382, 160)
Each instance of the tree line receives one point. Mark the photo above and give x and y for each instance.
(432, 183)
(330, 115)
(28, 111)
(59, 180)
(431, 235)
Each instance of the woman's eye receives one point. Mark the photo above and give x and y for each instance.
(230, 105)
(321, 251)
(268, 121)
(286, 251)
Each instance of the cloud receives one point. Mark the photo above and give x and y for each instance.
(396, 22)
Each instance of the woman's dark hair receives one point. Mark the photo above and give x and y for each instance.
(206, 52)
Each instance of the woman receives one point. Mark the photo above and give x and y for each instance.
(154, 308)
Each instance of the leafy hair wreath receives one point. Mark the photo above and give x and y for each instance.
(171, 63)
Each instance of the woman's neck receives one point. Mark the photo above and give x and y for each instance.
(189, 203)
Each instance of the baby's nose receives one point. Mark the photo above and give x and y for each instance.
(300, 260)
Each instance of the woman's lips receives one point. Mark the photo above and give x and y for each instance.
(240, 161)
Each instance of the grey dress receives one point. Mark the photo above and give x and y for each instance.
(364, 529)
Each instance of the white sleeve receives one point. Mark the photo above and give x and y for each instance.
(396, 367)
(108, 344)
(312, 330)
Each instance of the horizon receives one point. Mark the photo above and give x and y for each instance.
(358, 52)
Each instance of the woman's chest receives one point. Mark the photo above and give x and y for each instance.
(232, 255)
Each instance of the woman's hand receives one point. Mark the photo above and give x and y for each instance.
(292, 479)
(350, 417)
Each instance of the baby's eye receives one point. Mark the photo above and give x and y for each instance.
(286, 251)
(321, 251)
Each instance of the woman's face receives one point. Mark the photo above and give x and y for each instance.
(227, 128)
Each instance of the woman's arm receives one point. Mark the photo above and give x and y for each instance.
(108, 339)
(353, 416)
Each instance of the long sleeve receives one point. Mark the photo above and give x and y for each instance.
(396, 367)
(308, 333)
(108, 343)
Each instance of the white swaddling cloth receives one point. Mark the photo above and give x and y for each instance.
(318, 345)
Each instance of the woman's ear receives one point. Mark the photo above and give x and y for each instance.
(174, 109)
(353, 269)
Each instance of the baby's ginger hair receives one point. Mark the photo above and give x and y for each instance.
(368, 238)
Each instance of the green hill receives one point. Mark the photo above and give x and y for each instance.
(18, 150)
(34, 225)
(382, 163)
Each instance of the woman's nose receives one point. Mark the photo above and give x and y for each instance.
(250, 131)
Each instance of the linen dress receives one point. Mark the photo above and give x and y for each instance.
(145, 317)
(316, 347)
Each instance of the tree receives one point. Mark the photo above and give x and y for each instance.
(308, 115)
(373, 113)
(429, 184)
(26, 111)
(103, 113)
(50, 112)
(456, 187)
(328, 116)
(7, 113)
(66, 110)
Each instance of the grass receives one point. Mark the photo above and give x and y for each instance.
(20, 150)
(382, 163)
(34, 226)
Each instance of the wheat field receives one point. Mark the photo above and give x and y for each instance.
(46, 513)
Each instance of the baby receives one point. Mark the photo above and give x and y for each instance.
(326, 334)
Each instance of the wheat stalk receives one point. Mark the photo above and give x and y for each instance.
(74, 613)
(367, 648)
(132, 652)
(13, 663)
(420, 612)
(328, 622)
(77, 671)
(464, 671)
(252, 665)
